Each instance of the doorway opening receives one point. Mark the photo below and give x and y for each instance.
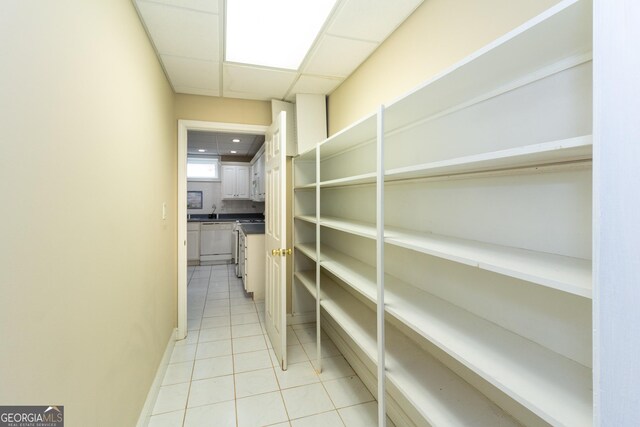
(198, 131)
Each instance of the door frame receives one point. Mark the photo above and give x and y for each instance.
(183, 127)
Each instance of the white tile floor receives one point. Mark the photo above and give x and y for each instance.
(223, 373)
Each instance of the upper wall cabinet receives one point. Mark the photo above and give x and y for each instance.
(235, 182)
(257, 176)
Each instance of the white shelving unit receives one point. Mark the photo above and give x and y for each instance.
(519, 367)
(509, 160)
(572, 275)
(482, 260)
(568, 274)
(424, 383)
(348, 157)
(365, 178)
(304, 204)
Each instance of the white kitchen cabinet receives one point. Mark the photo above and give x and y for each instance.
(253, 270)
(466, 206)
(193, 243)
(241, 255)
(260, 177)
(257, 176)
(216, 241)
(242, 182)
(235, 181)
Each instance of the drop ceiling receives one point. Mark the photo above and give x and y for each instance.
(218, 143)
(188, 36)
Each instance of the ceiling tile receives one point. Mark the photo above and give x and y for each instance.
(221, 143)
(251, 82)
(182, 32)
(211, 6)
(314, 85)
(194, 73)
(338, 57)
(371, 19)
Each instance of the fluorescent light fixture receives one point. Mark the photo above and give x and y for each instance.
(274, 33)
(201, 150)
(236, 140)
(233, 152)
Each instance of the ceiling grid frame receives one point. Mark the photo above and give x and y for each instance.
(345, 14)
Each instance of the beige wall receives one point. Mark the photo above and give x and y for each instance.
(437, 35)
(224, 110)
(87, 157)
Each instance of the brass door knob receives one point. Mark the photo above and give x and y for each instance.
(275, 252)
(286, 252)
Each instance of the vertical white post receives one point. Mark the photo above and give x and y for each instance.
(318, 330)
(382, 418)
(616, 234)
(182, 230)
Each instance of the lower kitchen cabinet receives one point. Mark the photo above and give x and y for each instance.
(254, 265)
(193, 243)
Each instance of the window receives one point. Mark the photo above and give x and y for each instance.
(203, 169)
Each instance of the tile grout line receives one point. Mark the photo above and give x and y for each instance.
(265, 337)
(233, 359)
(193, 365)
(322, 382)
(260, 322)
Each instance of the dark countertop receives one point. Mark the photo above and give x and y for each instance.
(211, 220)
(230, 217)
(252, 228)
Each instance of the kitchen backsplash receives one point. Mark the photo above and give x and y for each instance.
(212, 194)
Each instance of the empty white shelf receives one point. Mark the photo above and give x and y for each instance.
(305, 186)
(552, 386)
(309, 249)
(357, 274)
(308, 280)
(567, 274)
(359, 228)
(366, 178)
(360, 132)
(566, 150)
(563, 273)
(439, 395)
(306, 218)
(560, 32)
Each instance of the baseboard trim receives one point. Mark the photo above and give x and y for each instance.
(296, 319)
(145, 414)
(364, 369)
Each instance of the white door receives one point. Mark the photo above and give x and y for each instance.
(193, 245)
(275, 238)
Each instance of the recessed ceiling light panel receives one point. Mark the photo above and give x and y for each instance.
(274, 33)
(201, 150)
(233, 152)
(236, 140)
